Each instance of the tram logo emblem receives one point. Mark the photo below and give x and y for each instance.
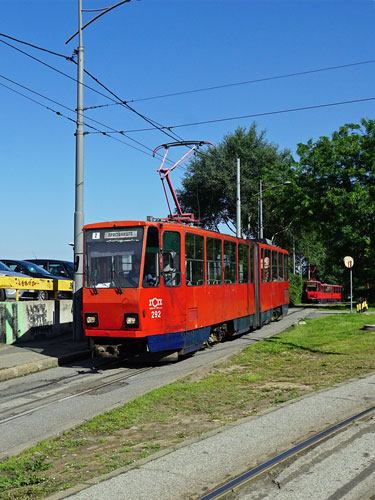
(155, 303)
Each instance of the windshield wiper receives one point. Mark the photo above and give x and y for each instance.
(116, 280)
(92, 282)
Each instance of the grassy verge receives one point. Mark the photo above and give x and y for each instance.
(317, 354)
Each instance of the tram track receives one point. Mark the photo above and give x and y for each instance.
(61, 385)
(24, 409)
(234, 484)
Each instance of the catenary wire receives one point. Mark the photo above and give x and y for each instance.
(254, 115)
(36, 47)
(204, 89)
(236, 84)
(71, 119)
(159, 127)
(112, 130)
(105, 133)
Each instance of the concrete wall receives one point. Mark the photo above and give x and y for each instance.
(27, 320)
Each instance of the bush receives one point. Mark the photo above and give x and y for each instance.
(295, 289)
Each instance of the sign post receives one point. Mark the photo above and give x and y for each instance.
(349, 263)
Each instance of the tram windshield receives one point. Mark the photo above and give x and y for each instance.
(113, 257)
(312, 286)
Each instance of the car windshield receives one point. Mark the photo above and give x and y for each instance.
(113, 257)
(3, 267)
(33, 268)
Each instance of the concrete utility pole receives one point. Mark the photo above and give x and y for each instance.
(79, 180)
(79, 218)
(260, 211)
(238, 204)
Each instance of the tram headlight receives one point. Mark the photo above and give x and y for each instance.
(91, 319)
(131, 320)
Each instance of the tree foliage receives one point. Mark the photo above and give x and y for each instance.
(327, 212)
(334, 198)
(209, 187)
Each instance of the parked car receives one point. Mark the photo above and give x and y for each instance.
(31, 269)
(61, 268)
(10, 293)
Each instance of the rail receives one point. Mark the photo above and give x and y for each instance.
(52, 285)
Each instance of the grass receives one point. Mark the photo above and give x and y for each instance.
(317, 354)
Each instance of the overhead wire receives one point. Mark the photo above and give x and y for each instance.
(112, 130)
(59, 113)
(150, 121)
(118, 101)
(266, 113)
(235, 84)
(168, 129)
(257, 80)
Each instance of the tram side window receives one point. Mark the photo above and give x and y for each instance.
(151, 271)
(280, 267)
(251, 264)
(213, 257)
(274, 265)
(266, 265)
(230, 262)
(243, 263)
(171, 258)
(194, 259)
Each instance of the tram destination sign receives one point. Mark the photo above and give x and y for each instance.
(115, 235)
(349, 262)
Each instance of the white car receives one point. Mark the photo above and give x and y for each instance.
(10, 293)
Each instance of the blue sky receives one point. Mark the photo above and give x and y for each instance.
(149, 48)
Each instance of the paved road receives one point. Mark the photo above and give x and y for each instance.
(43, 404)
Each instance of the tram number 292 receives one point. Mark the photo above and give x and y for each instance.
(155, 314)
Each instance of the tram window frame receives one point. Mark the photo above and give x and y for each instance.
(171, 260)
(252, 254)
(194, 261)
(274, 260)
(280, 258)
(244, 261)
(230, 262)
(151, 260)
(266, 265)
(214, 265)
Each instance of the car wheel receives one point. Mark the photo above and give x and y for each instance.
(42, 295)
(2, 295)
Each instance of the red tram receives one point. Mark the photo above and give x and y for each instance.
(170, 286)
(166, 286)
(315, 291)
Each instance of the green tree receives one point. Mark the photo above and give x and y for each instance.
(209, 187)
(334, 198)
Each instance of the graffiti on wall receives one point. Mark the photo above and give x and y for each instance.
(37, 320)
(36, 315)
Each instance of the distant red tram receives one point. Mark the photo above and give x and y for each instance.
(163, 286)
(315, 291)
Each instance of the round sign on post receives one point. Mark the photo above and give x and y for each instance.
(349, 262)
